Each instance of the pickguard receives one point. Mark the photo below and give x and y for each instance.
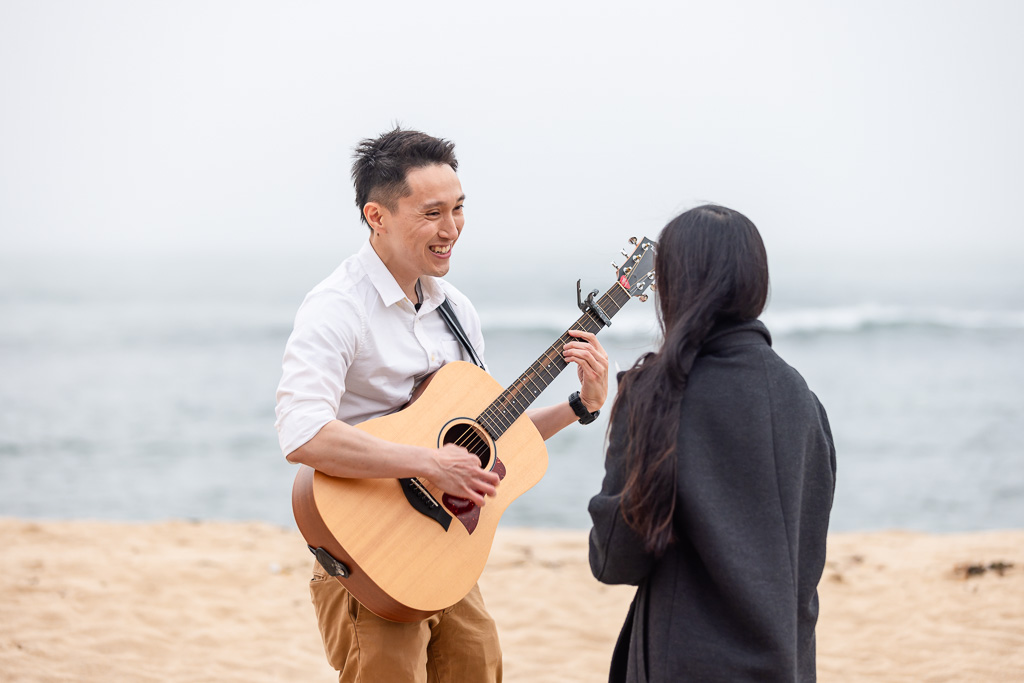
(466, 511)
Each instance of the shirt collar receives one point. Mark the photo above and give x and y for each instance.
(388, 288)
(433, 293)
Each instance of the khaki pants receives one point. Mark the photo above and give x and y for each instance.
(457, 645)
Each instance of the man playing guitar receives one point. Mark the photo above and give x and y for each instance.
(364, 338)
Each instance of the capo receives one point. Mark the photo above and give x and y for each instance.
(590, 305)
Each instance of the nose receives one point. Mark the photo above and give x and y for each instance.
(449, 228)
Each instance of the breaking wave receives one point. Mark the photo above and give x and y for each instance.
(640, 322)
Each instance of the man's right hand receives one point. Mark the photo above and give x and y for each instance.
(457, 472)
(340, 450)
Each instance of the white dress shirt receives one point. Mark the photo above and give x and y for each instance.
(359, 347)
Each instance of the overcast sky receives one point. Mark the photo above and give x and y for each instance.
(856, 135)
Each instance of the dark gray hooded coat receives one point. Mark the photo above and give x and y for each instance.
(735, 597)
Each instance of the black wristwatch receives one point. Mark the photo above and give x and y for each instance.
(585, 416)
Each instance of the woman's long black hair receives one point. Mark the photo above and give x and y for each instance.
(710, 267)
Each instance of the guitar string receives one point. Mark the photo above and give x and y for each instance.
(473, 439)
(470, 439)
(504, 405)
(553, 357)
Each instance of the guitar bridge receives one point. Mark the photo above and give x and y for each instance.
(424, 502)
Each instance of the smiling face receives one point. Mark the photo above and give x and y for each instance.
(416, 237)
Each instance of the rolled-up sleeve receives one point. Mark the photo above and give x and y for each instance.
(326, 339)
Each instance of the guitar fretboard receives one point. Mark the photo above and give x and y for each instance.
(514, 401)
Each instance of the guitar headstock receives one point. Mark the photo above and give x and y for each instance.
(636, 273)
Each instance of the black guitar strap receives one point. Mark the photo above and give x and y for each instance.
(445, 309)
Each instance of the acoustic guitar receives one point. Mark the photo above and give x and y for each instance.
(404, 548)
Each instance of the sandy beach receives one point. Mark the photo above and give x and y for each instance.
(201, 601)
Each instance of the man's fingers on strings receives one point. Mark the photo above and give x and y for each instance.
(583, 335)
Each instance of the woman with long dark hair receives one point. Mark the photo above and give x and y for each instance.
(720, 474)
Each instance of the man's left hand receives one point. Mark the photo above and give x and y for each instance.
(591, 367)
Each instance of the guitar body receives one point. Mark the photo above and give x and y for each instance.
(403, 564)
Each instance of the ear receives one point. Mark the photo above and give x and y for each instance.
(375, 214)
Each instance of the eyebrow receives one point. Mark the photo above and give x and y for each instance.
(437, 202)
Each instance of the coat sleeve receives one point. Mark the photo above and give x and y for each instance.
(827, 428)
(617, 553)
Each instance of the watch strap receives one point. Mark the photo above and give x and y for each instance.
(584, 415)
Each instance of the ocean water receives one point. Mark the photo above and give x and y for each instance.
(143, 389)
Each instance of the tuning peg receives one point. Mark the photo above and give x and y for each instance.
(632, 240)
(652, 287)
(614, 265)
(642, 297)
(625, 253)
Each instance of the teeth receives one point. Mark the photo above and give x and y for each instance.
(441, 250)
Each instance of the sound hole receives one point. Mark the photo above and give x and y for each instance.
(471, 439)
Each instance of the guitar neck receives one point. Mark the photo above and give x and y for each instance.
(514, 401)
